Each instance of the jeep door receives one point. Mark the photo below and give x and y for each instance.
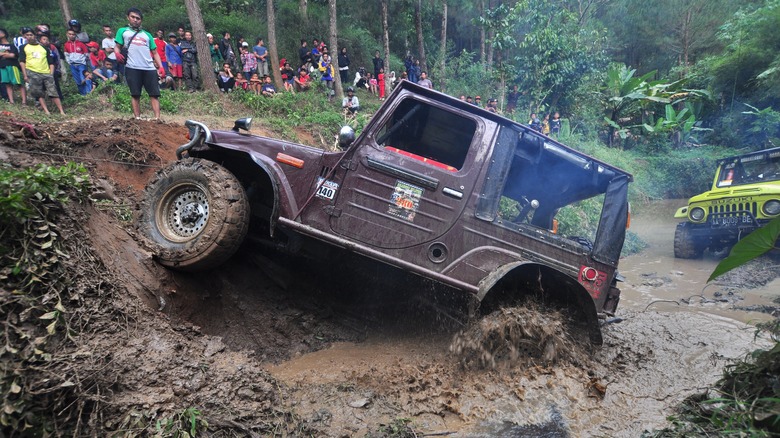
(410, 176)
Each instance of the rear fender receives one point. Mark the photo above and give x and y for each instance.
(518, 279)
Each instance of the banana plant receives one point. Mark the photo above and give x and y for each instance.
(627, 97)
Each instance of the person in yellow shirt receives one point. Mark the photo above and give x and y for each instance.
(38, 71)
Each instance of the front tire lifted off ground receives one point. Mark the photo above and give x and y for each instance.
(195, 213)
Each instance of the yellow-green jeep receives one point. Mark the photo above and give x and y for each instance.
(744, 195)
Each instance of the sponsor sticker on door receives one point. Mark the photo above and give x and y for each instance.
(405, 200)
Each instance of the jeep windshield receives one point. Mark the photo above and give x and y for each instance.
(752, 168)
(542, 176)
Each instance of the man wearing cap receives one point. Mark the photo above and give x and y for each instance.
(492, 105)
(351, 102)
(173, 54)
(143, 66)
(77, 56)
(216, 56)
(96, 56)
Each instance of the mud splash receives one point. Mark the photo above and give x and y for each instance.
(517, 336)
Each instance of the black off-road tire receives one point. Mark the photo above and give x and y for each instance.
(195, 214)
(686, 246)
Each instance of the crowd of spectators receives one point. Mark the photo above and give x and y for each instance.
(32, 64)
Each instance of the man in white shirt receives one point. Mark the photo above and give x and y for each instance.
(351, 102)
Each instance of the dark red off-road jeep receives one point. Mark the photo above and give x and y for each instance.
(432, 185)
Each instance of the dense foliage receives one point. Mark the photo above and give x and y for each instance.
(33, 299)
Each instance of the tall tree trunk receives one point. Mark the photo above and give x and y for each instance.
(420, 39)
(490, 50)
(303, 6)
(204, 52)
(491, 33)
(443, 48)
(334, 34)
(65, 8)
(386, 37)
(482, 33)
(686, 38)
(272, 52)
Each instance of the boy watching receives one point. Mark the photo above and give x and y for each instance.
(38, 70)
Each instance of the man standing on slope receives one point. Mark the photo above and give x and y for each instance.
(141, 63)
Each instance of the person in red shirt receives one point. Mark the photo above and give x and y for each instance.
(77, 56)
(158, 39)
(96, 56)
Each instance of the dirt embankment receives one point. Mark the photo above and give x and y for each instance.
(262, 354)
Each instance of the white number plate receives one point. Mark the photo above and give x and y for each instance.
(327, 190)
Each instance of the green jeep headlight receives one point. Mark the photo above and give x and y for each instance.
(696, 214)
(771, 208)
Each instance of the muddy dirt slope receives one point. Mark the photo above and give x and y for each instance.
(262, 351)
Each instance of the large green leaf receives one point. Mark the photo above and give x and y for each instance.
(755, 244)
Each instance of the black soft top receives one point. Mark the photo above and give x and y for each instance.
(501, 120)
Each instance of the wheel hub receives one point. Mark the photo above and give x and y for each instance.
(188, 213)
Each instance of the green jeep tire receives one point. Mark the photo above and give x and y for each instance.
(686, 246)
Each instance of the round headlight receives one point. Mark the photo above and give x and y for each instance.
(771, 208)
(696, 213)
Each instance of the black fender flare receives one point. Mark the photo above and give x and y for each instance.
(547, 283)
(275, 184)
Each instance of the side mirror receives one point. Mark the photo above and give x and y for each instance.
(346, 136)
(244, 123)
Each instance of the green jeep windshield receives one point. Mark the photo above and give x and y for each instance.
(750, 169)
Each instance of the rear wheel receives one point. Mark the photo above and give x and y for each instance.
(195, 213)
(686, 246)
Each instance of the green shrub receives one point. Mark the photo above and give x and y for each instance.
(32, 313)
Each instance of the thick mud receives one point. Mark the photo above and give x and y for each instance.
(269, 346)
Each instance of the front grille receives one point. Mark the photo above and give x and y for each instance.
(737, 209)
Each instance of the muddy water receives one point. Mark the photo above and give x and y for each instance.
(651, 360)
(657, 279)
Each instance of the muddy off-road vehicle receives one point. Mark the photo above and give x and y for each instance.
(745, 195)
(432, 185)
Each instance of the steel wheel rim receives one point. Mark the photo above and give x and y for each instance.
(183, 212)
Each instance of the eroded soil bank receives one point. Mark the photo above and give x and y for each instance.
(267, 351)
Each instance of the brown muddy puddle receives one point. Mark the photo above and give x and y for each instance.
(655, 278)
(651, 360)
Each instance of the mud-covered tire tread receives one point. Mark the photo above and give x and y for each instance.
(228, 222)
(685, 245)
